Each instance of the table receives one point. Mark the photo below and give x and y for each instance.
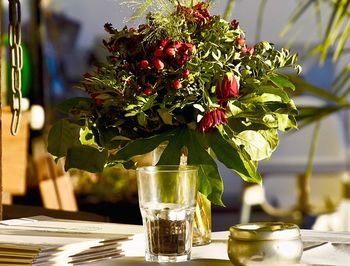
(320, 248)
(327, 253)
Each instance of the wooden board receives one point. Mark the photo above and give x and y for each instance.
(14, 154)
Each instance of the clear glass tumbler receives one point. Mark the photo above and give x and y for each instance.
(167, 198)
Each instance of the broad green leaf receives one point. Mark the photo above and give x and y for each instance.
(140, 146)
(271, 136)
(210, 182)
(86, 158)
(282, 82)
(273, 90)
(231, 157)
(60, 138)
(254, 144)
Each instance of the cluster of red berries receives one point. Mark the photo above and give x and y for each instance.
(174, 53)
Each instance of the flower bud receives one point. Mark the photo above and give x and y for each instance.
(240, 41)
(234, 24)
(229, 87)
(251, 50)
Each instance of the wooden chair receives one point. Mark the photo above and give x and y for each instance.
(55, 185)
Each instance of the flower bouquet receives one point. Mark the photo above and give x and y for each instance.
(187, 79)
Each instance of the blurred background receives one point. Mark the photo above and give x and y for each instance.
(305, 181)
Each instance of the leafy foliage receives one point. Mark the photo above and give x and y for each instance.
(187, 79)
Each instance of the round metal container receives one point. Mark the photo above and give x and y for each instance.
(269, 243)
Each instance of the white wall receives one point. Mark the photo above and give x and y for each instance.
(93, 14)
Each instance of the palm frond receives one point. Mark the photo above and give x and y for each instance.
(229, 9)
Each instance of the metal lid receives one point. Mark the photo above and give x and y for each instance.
(265, 231)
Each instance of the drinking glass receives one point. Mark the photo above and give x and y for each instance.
(167, 198)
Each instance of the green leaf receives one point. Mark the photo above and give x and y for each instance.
(87, 138)
(232, 158)
(210, 181)
(271, 136)
(78, 102)
(254, 144)
(141, 119)
(149, 102)
(86, 158)
(282, 82)
(165, 115)
(273, 90)
(285, 122)
(60, 138)
(140, 146)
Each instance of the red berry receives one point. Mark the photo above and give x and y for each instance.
(185, 73)
(158, 64)
(244, 50)
(170, 51)
(99, 101)
(148, 91)
(144, 64)
(241, 41)
(129, 82)
(165, 42)
(158, 53)
(177, 84)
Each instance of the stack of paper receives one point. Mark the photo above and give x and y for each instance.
(46, 241)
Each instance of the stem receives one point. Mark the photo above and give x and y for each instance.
(260, 19)
(229, 9)
(304, 179)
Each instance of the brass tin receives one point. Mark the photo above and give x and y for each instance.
(269, 243)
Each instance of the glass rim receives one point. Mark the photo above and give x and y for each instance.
(167, 168)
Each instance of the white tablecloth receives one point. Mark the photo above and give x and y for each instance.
(335, 251)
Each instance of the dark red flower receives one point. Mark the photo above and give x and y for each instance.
(158, 64)
(197, 14)
(212, 119)
(177, 84)
(234, 24)
(185, 73)
(228, 89)
(144, 64)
